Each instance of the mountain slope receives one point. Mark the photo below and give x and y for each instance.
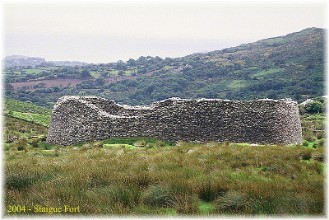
(27, 112)
(19, 60)
(290, 66)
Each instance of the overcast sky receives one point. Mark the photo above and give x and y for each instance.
(106, 32)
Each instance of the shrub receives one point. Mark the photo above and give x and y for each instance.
(315, 145)
(97, 144)
(180, 186)
(87, 146)
(19, 180)
(140, 179)
(209, 190)
(56, 152)
(127, 196)
(21, 144)
(186, 203)
(20, 148)
(98, 179)
(301, 109)
(231, 202)
(160, 143)
(178, 194)
(320, 135)
(321, 142)
(318, 156)
(45, 145)
(141, 143)
(7, 146)
(306, 155)
(158, 196)
(315, 107)
(262, 204)
(295, 203)
(35, 142)
(305, 143)
(43, 138)
(309, 136)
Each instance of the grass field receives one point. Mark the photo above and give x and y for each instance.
(147, 176)
(189, 179)
(237, 84)
(19, 106)
(95, 74)
(27, 111)
(267, 72)
(33, 71)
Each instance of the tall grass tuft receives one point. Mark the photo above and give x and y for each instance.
(208, 190)
(231, 202)
(20, 180)
(124, 196)
(186, 203)
(158, 196)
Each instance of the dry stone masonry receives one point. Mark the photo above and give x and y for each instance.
(265, 121)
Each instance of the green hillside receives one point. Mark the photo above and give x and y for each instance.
(286, 66)
(289, 66)
(27, 111)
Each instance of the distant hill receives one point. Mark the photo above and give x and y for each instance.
(286, 66)
(290, 66)
(19, 60)
(67, 63)
(25, 61)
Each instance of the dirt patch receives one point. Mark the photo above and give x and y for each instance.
(47, 83)
(64, 82)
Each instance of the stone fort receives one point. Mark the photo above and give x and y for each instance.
(77, 119)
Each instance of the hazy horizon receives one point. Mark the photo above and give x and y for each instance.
(101, 33)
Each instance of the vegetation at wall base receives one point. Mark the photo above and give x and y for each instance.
(190, 179)
(146, 176)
